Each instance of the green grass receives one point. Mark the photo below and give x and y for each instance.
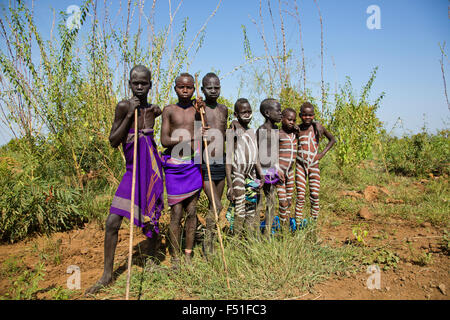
(429, 203)
(50, 252)
(278, 268)
(426, 201)
(12, 266)
(26, 285)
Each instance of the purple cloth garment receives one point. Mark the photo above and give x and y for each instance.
(183, 178)
(149, 189)
(271, 175)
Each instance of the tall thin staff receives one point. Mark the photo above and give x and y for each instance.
(133, 191)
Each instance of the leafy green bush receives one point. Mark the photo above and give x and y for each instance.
(31, 205)
(418, 154)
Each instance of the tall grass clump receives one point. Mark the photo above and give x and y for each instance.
(286, 266)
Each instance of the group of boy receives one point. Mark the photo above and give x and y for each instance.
(185, 171)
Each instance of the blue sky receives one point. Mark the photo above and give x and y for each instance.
(405, 49)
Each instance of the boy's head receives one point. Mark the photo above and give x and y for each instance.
(307, 113)
(243, 111)
(271, 109)
(184, 87)
(288, 119)
(140, 81)
(211, 87)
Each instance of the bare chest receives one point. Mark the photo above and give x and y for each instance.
(146, 119)
(181, 118)
(216, 118)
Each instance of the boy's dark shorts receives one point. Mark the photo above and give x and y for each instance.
(217, 171)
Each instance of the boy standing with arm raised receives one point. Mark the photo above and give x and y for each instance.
(307, 163)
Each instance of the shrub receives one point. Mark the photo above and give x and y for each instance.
(419, 154)
(31, 205)
(355, 124)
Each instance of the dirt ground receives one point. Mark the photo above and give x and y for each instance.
(425, 278)
(410, 280)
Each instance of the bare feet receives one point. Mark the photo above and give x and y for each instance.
(100, 284)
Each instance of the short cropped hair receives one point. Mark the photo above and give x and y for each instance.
(208, 76)
(267, 104)
(140, 68)
(239, 102)
(306, 105)
(286, 111)
(184, 74)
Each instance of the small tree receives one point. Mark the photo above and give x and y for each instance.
(355, 124)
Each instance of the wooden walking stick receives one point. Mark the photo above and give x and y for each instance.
(133, 191)
(202, 111)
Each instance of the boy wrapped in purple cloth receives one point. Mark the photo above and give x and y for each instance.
(149, 189)
(181, 163)
(148, 202)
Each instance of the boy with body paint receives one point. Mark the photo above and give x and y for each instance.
(267, 135)
(242, 167)
(307, 162)
(287, 156)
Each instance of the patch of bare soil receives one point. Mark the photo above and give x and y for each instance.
(422, 271)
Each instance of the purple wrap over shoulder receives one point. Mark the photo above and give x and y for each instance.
(149, 189)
